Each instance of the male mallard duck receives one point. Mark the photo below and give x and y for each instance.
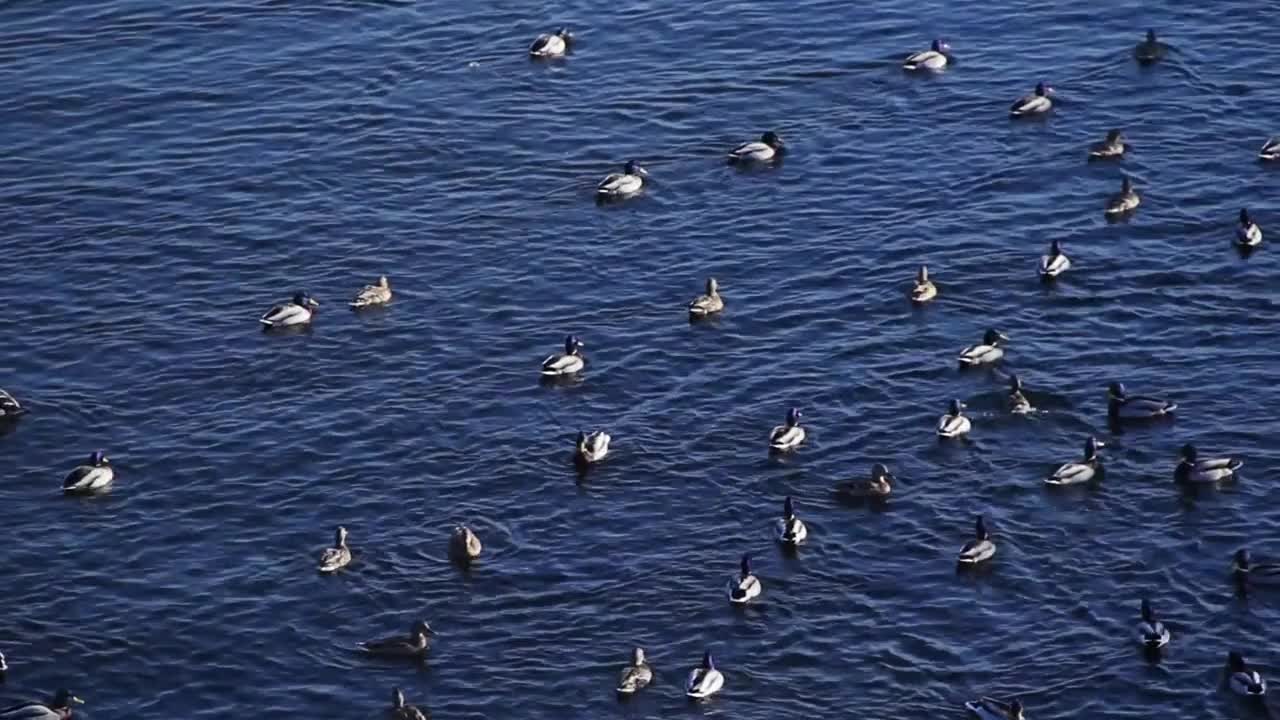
(768, 147)
(987, 351)
(788, 436)
(636, 675)
(1035, 103)
(978, 549)
(878, 485)
(924, 290)
(617, 186)
(1124, 201)
(790, 528)
(1194, 469)
(551, 45)
(298, 311)
(991, 709)
(1083, 471)
(1246, 571)
(1151, 632)
(371, 295)
(744, 586)
(1248, 234)
(1122, 406)
(707, 304)
(1270, 149)
(413, 646)
(704, 680)
(96, 474)
(935, 58)
(9, 406)
(336, 557)
(568, 362)
(401, 711)
(954, 423)
(591, 447)
(1055, 263)
(58, 709)
(1112, 147)
(1149, 50)
(1017, 400)
(464, 546)
(1242, 679)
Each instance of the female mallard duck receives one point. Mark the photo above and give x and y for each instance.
(991, 709)
(878, 485)
(704, 680)
(617, 186)
(767, 148)
(1122, 406)
(744, 586)
(401, 711)
(591, 447)
(1149, 50)
(94, 475)
(1248, 234)
(789, 436)
(980, 548)
(1035, 103)
(1083, 471)
(1124, 201)
(1194, 469)
(298, 311)
(985, 352)
(568, 362)
(1112, 147)
(464, 546)
(1055, 263)
(58, 709)
(935, 58)
(1242, 679)
(1270, 149)
(924, 290)
(707, 304)
(635, 676)
(9, 406)
(1151, 632)
(551, 45)
(954, 423)
(413, 646)
(1017, 400)
(338, 556)
(790, 528)
(1245, 570)
(373, 295)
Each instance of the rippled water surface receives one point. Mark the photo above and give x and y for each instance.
(170, 170)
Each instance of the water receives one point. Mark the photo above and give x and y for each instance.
(171, 170)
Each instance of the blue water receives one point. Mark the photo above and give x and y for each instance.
(170, 170)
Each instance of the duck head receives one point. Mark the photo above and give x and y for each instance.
(788, 509)
(637, 656)
(1055, 248)
(1113, 136)
(582, 440)
(707, 663)
(1244, 218)
(1241, 561)
(772, 140)
(422, 627)
(880, 472)
(1115, 391)
(922, 276)
(397, 698)
(564, 34)
(1126, 185)
(1015, 383)
(572, 345)
(1015, 709)
(939, 45)
(1147, 615)
(955, 408)
(302, 299)
(793, 417)
(340, 536)
(980, 529)
(746, 565)
(1043, 90)
(994, 337)
(1151, 36)
(63, 700)
(99, 459)
(1188, 454)
(633, 168)
(1236, 663)
(713, 287)
(1091, 446)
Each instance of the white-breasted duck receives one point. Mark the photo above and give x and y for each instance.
(400, 710)
(1270, 149)
(935, 58)
(768, 148)
(551, 45)
(878, 484)
(704, 680)
(1123, 406)
(1151, 632)
(1248, 233)
(10, 407)
(1194, 469)
(1125, 201)
(1112, 147)
(744, 586)
(635, 676)
(415, 645)
(708, 303)
(1080, 471)
(617, 186)
(567, 363)
(1150, 50)
(985, 352)
(790, 528)
(1243, 679)
(464, 546)
(1248, 572)
(1036, 102)
(987, 708)
(789, 435)
(980, 548)
(591, 447)
(60, 708)
(298, 311)
(94, 475)
(338, 556)
(1054, 263)
(373, 295)
(1017, 399)
(954, 423)
(923, 290)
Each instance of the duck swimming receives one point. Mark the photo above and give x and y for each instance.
(704, 680)
(1151, 632)
(372, 295)
(401, 711)
(1035, 103)
(567, 363)
(1055, 263)
(551, 45)
(766, 149)
(338, 556)
(987, 351)
(1112, 147)
(924, 290)
(935, 58)
(4, 666)
(1149, 50)
(1124, 201)
(980, 548)
(464, 546)
(591, 447)
(413, 646)
(789, 436)
(9, 407)
(1248, 234)
(1083, 471)
(617, 186)
(791, 530)
(1246, 571)
(1017, 400)
(1242, 679)
(878, 485)
(991, 709)
(1270, 149)
(954, 423)
(1122, 406)
(635, 676)
(709, 303)
(1194, 469)
(745, 586)
(58, 709)
(297, 311)
(96, 474)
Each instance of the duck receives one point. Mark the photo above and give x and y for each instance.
(924, 290)
(704, 680)
(635, 676)
(58, 709)
(791, 529)
(1245, 570)
(1124, 201)
(338, 556)
(1248, 234)
(1149, 50)
(1017, 400)
(617, 186)
(464, 546)
(1123, 406)
(1194, 469)
(96, 474)
(1112, 147)
(372, 295)
(769, 147)
(954, 423)
(788, 436)
(935, 58)
(745, 586)
(413, 646)
(591, 447)
(1242, 679)
(551, 45)
(1035, 103)
(298, 311)
(10, 407)
(878, 485)
(4, 666)
(567, 363)
(401, 711)
(985, 352)
(1055, 263)
(1082, 471)
(709, 303)
(991, 709)
(1151, 632)
(1270, 149)
(980, 548)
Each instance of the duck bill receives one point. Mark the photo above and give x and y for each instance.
(76, 700)
(313, 303)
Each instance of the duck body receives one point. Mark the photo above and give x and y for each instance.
(373, 295)
(1150, 50)
(1083, 471)
(635, 676)
(1125, 201)
(1248, 233)
(464, 546)
(1122, 406)
(569, 362)
(788, 436)
(954, 423)
(58, 709)
(338, 556)
(415, 645)
(551, 45)
(1151, 632)
(705, 680)
(10, 408)
(1197, 470)
(1270, 149)
(1017, 399)
(767, 149)
(592, 447)
(745, 586)
(1112, 147)
(923, 290)
(708, 303)
(790, 529)
(987, 708)
(95, 475)
(935, 58)
(985, 352)
(980, 548)
(1054, 263)
(1243, 679)
(295, 313)
(625, 184)
(400, 710)
(878, 485)
(1033, 104)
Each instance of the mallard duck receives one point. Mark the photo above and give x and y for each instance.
(877, 485)
(372, 295)
(985, 352)
(551, 45)
(1035, 103)
(568, 362)
(788, 436)
(1270, 149)
(924, 290)
(338, 556)
(414, 646)
(1113, 147)
(707, 304)
(58, 709)
(790, 528)
(704, 680)
(1242, 679)
(1194, 469)
(1122, 406)
(954, 423)
(1017, 400)
(1083, 471)
(464, 546)
(980, 548)
(991, 709)
(96, 474)
(401, 711)
(1055, 263)
(767, 148)
(4, 666)
(744, 586)
(591, 447)
(616, 186)
(9, 406)
(935, 58)
(1248, 234)
(635, 676)
(1151, 632)
(1247, 571)
(297, 311)
(1149, 50)
(1124, 201)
